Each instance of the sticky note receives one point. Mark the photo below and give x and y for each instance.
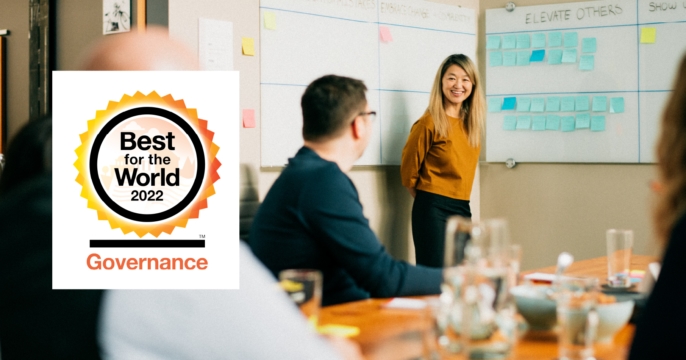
(552, 122)
(617, 105)
(648, 35)
(523, 104)
(571, 39)
(569, 56)
(509, 58)
(510, 122)
(588, 45)
(494, 104)
(583, 121)
(587, 62)
(537, 104)
(555, 57)
(568, 123)
(553, 104)
(598, 123)
(345, 331)
(248, 118)
(555, 39)
(538, 40)
(523, 122)
(509, 41)
(538, 123)
(493, 43)
(495, 58)
(523, 41)
(509, 103)
(581, 103)
(567, 103)
(537, 55)
(600, 103)
(385, 34)
(523, 57)
(269, 20)
(248, 46)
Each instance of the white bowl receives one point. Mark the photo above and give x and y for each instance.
(534, 305)
(612, 317)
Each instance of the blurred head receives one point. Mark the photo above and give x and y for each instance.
(28, 155)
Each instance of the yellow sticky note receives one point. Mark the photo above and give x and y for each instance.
(339, 330)
(269, 20)
(248, 46)
(648, 35)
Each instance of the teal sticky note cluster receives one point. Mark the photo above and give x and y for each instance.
(552, 122)
(588, 45)
(510, 122)
(538, 40)
(509, 41)
(509, 58)
(587, 62)
(555, 39)
(617, 105)
(569, 56)
(495, 58)
(494, 104)
(523, 122)
(537, 55)
(571, 39)
(583, 121)
(555, 57)
(523, 41)
(568, 123)
(493, 42)
(537, 104)
(539, 123)
(553, 104)
(523, 104)
(509, 103)
(567, 103)
(599, 103)
(581, 103)
(598, 123)
(523, 57)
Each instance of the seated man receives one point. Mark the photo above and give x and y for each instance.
(312, 216)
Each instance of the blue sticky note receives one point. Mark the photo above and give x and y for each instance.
(552, 122)
(569, 56)
(555, 39)
(568, 123)
(494, 104)
(523, 41)
(523, 57)
(555, 57)
(553, 104)
(617, 105)
(567, 103)
(523, 104)
(523, 122)
(588, 45)
(510, 122)
(538, 123)
(509, 41)
(583, 121)
(587, 62)
(571, 39)
(495, 58)
(538, 40)
(493, 42)
(537, 55)
(509, 58)
(509, 103)
(598, 123)
(581, 103)
(600, 103)
(537, 104)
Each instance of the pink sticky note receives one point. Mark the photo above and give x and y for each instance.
(248, 118)
(385, 33)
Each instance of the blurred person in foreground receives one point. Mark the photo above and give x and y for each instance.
(662, 325)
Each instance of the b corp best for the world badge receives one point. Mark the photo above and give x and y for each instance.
(141, 199)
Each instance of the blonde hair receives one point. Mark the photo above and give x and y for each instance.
(473, 109)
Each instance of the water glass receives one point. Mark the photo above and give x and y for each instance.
(576, 316)
(619, 248)
(304, 287)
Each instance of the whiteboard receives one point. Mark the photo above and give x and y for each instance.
(316, 38)
(640, 73)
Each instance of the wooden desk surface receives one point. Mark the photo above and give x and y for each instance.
(391, 334)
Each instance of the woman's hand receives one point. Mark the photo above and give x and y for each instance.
(412, 191)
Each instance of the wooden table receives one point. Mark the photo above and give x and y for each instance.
(391, 334)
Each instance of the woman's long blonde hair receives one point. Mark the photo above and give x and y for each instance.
(473, 109)
(671, 157)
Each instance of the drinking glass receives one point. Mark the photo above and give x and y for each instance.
(304, 287)
(619, 247)
(576, 317)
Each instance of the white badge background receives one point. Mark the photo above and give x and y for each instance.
(76, 97)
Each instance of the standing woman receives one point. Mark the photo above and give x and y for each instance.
(441, 154)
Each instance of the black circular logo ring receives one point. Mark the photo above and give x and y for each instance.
(200, 155)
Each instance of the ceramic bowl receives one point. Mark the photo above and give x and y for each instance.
(612, 317)
(534, 305)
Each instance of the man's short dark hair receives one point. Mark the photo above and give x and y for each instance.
(328, 104)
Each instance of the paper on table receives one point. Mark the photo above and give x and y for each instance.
(248, 46)
(248, 118)
(338, 330)
(215, 44)
(402, 303)
(269, 20)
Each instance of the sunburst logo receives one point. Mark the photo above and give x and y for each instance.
(147, 164)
